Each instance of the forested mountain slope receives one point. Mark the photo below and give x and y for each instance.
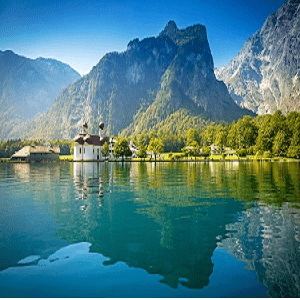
(143, 87)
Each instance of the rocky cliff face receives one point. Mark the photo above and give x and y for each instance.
(265, 75)
(189, 84)
(28, 87)
(141, 87)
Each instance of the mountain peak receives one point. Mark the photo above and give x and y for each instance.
(157, 82)
(171, 26)
(182, 36)
(170, 30)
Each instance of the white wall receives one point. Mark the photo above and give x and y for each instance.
(77, 154)
(88, 153)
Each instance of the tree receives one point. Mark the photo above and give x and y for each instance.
(208, 134)
(105, 149)
(295, 136)
(265, 136)
(294, 151)
(247, 132)
(143, 139)
(193, 149)
(122, 148)
(281, 143)
(221, 136)
(190, 136)
(269, 129)
(156, 146)
(142, 153)
(205, 151)
(232, 137)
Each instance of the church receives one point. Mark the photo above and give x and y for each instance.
(89, 147)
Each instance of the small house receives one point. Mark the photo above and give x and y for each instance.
(37, 153)
(231, 153)
(214, 149)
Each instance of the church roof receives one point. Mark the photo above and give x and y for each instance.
(91, 140)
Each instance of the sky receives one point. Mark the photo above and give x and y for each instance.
(81, 32)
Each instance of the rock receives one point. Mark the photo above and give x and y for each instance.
(141, 87)
(264, 76)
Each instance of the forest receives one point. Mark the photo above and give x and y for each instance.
(268, 135)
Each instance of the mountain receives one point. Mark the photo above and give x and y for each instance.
(28, 87)
(188, 87)
(158, 80)
(265, 74)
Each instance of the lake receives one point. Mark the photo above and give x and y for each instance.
(178, 229)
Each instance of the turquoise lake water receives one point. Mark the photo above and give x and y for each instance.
(206, 229)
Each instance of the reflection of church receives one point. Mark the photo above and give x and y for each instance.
(147, 234)
(88, 180)
(174, 237)
(89, 147)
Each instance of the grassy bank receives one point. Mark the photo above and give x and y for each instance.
(171, 157)
(166, 157)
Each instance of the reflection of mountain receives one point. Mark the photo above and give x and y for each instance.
(165, 217)
(173, 236)
(268, 240)
(188, 209)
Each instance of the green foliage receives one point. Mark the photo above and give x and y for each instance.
(191, 136)
(105, 149)
(205, 151)
(265, 136)
(232, 137)
(209, 134)
(156, 146)
(259, 154)
(267, 154)
(178, 156)
(192, 149)
(281, 143)
(143, 140)
(242, 152)
(274, 134)
(121, 148)
(246, 132)
(294, 152)
(142, 153)
(221, 133)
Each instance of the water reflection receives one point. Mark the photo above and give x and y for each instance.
(166, 228)
(195, 209)
(92, 179)
(268, 240)
(168, 218)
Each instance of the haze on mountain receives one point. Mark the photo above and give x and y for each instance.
(28, 88)
(165, 82)
(265, 75)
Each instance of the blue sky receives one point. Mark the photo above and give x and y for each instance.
(80, 32)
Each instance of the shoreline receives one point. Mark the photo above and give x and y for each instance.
(284, 159)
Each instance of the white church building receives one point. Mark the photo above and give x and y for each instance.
(89, 147)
